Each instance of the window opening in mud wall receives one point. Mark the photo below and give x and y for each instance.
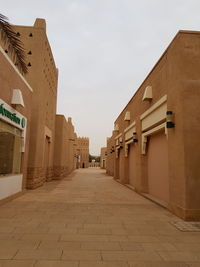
(10, 149)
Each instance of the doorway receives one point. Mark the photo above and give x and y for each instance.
(157, 165)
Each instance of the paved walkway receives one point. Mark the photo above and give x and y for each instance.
(89, 220)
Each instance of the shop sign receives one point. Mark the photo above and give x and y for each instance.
(12, 116)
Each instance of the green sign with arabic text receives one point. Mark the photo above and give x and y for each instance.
(12, 116)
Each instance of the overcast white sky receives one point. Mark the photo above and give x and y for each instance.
(104, 49)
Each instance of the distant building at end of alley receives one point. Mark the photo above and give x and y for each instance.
(83, 152)
(103, 157)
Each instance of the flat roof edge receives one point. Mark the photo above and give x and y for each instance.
(163, 54)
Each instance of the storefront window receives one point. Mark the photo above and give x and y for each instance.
(10, 149)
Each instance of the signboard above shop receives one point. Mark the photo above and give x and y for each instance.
(10, 115)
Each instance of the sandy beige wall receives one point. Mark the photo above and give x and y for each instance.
(83, 150)
(9, 80)
(110, 156)
(177, 76)
(64, 159)
(103, 157)
(42, 77)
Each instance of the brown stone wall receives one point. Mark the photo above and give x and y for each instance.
(9, 80)
(60, 172)
(83, 151)
(103, 157)
(65, 139)
(35, 177)
(42, 76)
(72, 145)
(176, 75)
(110, 156)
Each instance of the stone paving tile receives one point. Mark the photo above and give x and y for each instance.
(94, 231)
(84, 255)
(111, 226)
(180, 256)
(143, 238)
(96, 222)
(130, 256)
(31, 230)
(103, 264)
(100, 245)
(79, 237)
(117, 238)
(53, 224)
(158, 247)
(7, 253)
(168, 238)
(74, 225)
(57, 230)
(17, 263)
(46, 244)
(6, 229)
(157, 264)
(18, 244)
(187, 247)
(120, 232)
(10, 236)
(129, 245)
(38, 237)
(38, 254)
(189, 238)
(138, 232)
(57, 264)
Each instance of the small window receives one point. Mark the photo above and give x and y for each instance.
(30, 35)
(18, 34)
(6, 51)
(29, 53)
(10, 149)
(29, 64)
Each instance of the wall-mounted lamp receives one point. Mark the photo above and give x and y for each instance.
(135, 139)
(127, 116)
(17, 98)
(170, 119)
(147, 94)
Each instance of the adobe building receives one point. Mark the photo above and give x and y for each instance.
(65, 160)
(83, 151)
(94, 164)
(156, 136)
(76, 152)
(110, 159)
(15, 112)
(72, 146)
(103, 157)
(42, 76)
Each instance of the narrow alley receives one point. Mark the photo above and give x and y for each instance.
(88, 219)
